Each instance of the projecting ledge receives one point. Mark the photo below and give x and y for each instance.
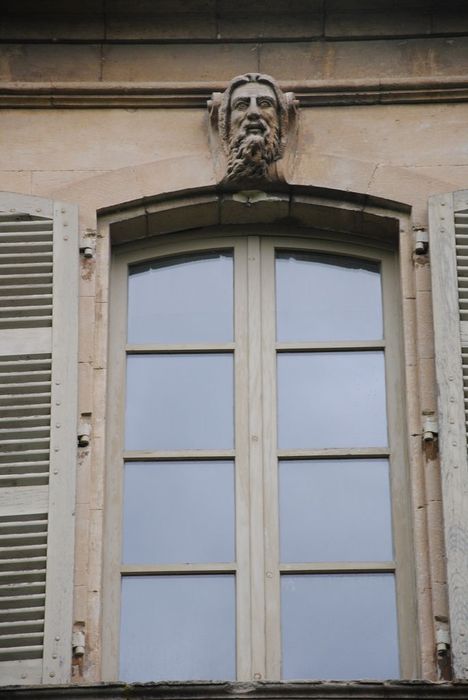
(315, 690)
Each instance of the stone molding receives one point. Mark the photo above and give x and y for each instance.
(306, 690)
(313, 93)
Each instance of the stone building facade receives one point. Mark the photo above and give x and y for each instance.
(109, 142)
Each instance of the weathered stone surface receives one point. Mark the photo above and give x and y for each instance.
(318, 690)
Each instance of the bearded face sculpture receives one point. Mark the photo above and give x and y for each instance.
(253, 126)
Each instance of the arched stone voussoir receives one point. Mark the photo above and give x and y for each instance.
(181, 193)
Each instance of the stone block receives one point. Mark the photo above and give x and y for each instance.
(266, 26)
(85, 386)
(129, 229)
(96, 546)
(409, 338)
(264, 209)
(451, 19)
(65, 26)
(100, 335)
(15, 181)
(195, 213)
(176, 7)
(181, 62)
(412, 401)
(46, 182)
(152, 26)
(80, 603)
(81, 544)
(86, 329)
(422, 273)
(407, 276)
(83, 476)
(330, 171)
(425, 325)
(392, 23)
(50, 62)
(427, 384)
(100, 386)
(97, 470)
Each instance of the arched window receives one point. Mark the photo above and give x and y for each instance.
(257, 488)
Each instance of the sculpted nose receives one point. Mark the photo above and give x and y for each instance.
(253, 111)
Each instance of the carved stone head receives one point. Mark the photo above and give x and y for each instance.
(253, 126)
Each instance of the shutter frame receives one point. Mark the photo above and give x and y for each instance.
(450, 342)
(51, 333)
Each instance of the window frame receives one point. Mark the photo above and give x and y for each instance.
(257, 635)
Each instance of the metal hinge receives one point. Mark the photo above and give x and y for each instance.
(78, 643)
(430, 428)
(421, 243)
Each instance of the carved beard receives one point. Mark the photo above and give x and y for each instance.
(250, 155)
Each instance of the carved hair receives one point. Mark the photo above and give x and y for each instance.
(225, 109)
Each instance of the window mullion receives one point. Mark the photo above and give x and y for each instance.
(241, 399)
(270, 486)
(255, 442)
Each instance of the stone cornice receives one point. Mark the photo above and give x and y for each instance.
(195, 94)
(318, 690)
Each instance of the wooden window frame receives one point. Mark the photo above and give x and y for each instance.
(257, 590)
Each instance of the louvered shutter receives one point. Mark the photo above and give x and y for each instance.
(448, 246)
(38, 388)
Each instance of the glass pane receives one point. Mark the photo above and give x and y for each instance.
(331, 399)
(179, 402)
(339, 626)
(178, 628)
(327, 297)
(335, 510)
(178, 512)
(185, 299)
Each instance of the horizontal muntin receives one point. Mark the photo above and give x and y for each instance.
(177, 569)
(338, 567)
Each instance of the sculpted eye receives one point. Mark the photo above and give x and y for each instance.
(265, 103)
(241, 104)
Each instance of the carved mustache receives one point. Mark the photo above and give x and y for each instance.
(255, 126)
